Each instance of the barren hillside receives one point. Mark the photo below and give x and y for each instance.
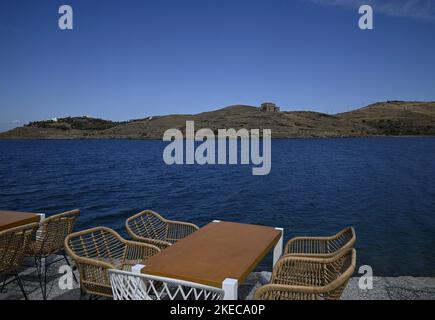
(393, 118)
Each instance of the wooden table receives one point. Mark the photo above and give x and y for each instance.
(12, 219)
(221, 254)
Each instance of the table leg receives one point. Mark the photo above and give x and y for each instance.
(230, 287)
(277, 251)
(137, 268)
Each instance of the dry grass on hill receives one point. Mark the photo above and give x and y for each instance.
(393, 118)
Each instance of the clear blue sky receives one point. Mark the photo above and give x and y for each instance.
(129, 59)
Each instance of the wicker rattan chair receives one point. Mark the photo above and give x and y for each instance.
(307, 278)
(13, 243)
(97, 250)
(321, 247)
(49, 241)
(131, 286)
(150, 227)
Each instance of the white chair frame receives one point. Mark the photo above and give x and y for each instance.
(133, 286)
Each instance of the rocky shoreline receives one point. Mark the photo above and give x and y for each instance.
(384, 288)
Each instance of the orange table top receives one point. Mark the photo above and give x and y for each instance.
(12, 219)
(215, 252)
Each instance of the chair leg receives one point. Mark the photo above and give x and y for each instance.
(83, 294)
(45, 279)
(38, 271)
(4, 283)
(72, 270)
(41, 269)
(20, 284)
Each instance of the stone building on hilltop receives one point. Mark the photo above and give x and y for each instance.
(269, 107)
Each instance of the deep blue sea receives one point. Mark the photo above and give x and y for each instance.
(384, 187)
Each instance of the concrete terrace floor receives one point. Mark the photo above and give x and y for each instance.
(384, 288)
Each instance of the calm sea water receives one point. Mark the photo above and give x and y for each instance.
(384, 187)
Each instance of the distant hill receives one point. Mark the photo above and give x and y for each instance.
(396, 118)
(392, 118)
